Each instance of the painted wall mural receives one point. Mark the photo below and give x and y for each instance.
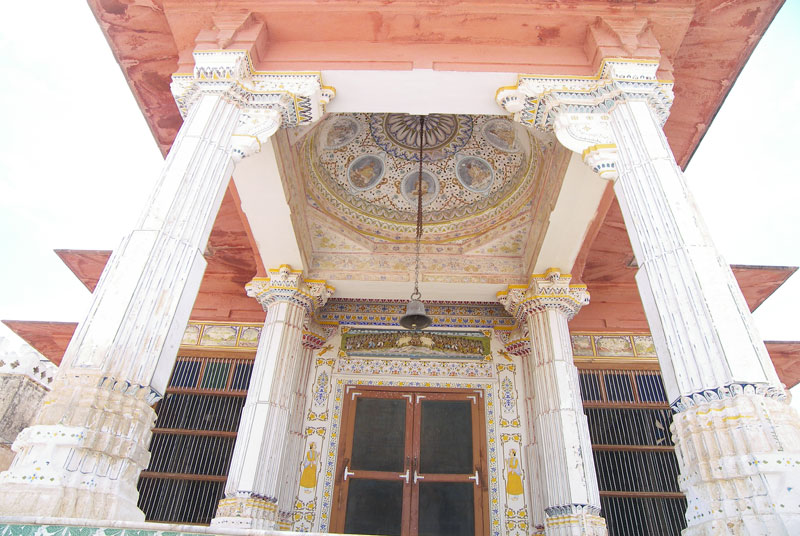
(434, 344)
(613, 345)
(316, 430)
(475, 174)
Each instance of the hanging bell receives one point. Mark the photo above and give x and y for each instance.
(415, 317)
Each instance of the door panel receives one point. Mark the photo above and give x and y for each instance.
(379, 435)
(410, 462)
(374, 507)
(445, 437)
(446, 509)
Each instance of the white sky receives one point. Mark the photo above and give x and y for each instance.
(77, 160)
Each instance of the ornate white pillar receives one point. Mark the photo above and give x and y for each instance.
(83, 454)
(562, 450)
(737, 440)
(255, 494)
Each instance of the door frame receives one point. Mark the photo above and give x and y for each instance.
(482, 446)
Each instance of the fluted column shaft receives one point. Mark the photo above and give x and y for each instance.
(562, 450)
(529, 448)
(737, 440)
(694, 305)
(256, 494)
(84, 452)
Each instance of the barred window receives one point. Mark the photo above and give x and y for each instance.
(637, 472)
(193, 438)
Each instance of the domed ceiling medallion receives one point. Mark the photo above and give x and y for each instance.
(398, 135)
(474, 174)
(430, 187)
(365, 171)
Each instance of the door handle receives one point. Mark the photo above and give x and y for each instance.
(347, 472)
(476, 477)
(405, 476)
(417, 477)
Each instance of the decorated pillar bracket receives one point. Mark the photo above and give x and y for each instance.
(550, 290)
(285, 284)
(315, 334)
(576, 108)
(268, 100)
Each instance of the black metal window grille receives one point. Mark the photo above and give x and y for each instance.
(629, 419)
(193, 438)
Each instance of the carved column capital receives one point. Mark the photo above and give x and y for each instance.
(550, 290)
(267, 100)
(286, 285)
(577, 109)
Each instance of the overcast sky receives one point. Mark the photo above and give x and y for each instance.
(77, 160)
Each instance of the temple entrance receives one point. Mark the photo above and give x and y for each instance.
(411, 462)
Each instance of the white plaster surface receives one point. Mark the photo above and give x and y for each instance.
(448, 92)
(258, 182)
(574, 212)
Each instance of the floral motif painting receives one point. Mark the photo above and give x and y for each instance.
(365, 171)
(191, 335)
(430, 187)
(475, 174)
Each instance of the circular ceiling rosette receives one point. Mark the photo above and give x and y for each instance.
(398, 135)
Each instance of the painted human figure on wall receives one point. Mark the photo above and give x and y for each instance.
(514, 480)
(308, 478)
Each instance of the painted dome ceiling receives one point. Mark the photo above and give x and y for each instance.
(351, 181)
(364, 169)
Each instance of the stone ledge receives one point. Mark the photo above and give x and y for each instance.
(51, 526)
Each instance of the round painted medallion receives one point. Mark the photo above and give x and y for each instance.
(398, 135)
(340, 132)
(500, 133)
(364, 172)
(475, 174)
(430, 187)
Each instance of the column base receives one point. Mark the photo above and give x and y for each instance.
(246, 513)
(20, 500)
(574, 520)
(739, 459)
(772, 525)
(88, 463)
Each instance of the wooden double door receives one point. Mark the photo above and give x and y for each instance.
(411, 463)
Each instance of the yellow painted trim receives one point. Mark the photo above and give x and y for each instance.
(220, 323)
(278, 269)
(249, 136)
(598, 147)
(506, 88)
